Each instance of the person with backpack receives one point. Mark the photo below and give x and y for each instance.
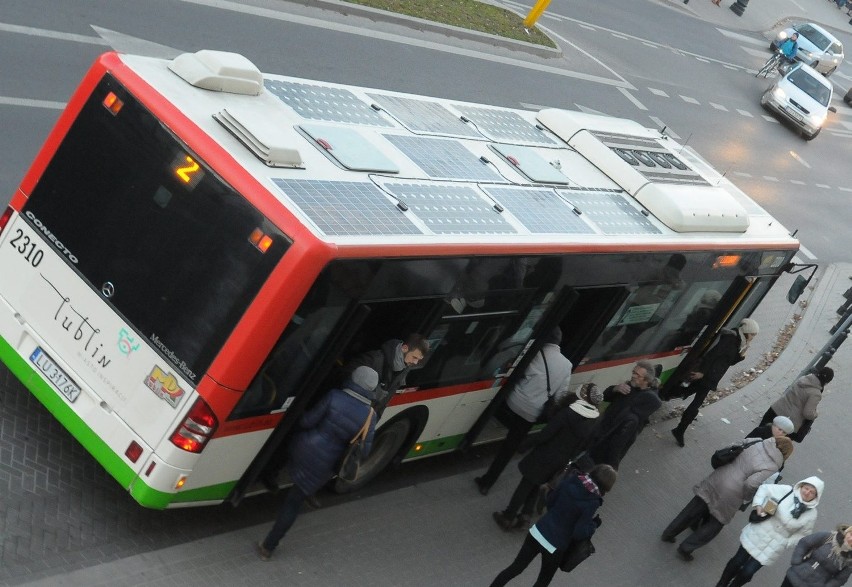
(719, 496)
(571, 517)
(564, 437)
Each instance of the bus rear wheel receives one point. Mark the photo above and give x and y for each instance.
(386, 445)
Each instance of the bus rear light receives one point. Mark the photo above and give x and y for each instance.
(4, 219)
(112, 103)
(150, 468)
(133, 452)
(260, 240)
(196, 429)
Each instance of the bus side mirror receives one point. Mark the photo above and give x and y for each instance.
(797, 288)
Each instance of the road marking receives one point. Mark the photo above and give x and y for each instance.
(799, 6)
(633, 99)
(745, 113)
(657, 92)
(845, 189)
(702, 60)
(7, 101)
(587, 27)
(662, 124)
(689, 100)
(620, 36)
(823, 186)
(651, 45)
(797, 182)
(770, 178)
(34, 32)
(582, 108)
(742, 173)
(768, 118)
(804, 250)
(533, 107)
(743, 38)
(796, 156)
(731, 67)
(718, 107)
(278, 15)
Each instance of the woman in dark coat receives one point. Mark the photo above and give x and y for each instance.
(564, 437)
(823, 559)
(570, 516)
(729, 349)
(324, 433)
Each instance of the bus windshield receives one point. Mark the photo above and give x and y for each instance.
(174, 249)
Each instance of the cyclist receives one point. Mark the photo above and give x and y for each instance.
(789, 48)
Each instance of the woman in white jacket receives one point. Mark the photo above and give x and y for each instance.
(769, 533)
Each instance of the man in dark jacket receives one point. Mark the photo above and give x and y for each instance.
(324, 433)
(631, 404)
(392, 362)
(730, 348)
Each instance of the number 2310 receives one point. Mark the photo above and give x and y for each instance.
(27, 248)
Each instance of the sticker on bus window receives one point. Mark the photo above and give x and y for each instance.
(164, 385)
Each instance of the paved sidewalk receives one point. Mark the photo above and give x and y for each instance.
(441, 533)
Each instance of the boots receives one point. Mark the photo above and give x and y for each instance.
(678, 433)
(505, 522)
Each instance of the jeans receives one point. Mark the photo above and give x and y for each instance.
(696, 511)
(518, 430)
(529, 550)
(286, 516)
(740, 569)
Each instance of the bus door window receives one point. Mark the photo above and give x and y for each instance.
(691, 315)
(586, 319)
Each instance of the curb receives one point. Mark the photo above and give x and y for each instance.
(375, 14)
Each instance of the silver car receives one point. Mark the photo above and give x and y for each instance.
(801, 96)
(817, 47)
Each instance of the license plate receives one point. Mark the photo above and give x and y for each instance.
(57, 377)
(795, 115)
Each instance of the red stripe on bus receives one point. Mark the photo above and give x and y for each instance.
(627, 361)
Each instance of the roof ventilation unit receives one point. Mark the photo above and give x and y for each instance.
(219, 71)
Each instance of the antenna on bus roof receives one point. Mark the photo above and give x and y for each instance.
(683, 146)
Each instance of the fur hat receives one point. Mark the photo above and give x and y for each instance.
(365, 377)
(785, 445)
(592, 394)
(784, 423)
(749, 326)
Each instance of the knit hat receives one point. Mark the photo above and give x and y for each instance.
(749, 326)
(785, 445)
(595, 395)
(784, 423)
(365, 377)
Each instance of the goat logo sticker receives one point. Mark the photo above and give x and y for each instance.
(165, 385)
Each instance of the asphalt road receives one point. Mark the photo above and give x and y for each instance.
(652, 64)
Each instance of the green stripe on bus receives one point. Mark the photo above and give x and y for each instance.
(431, 447)
(153, 498)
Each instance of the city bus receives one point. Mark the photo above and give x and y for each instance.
(198, 247)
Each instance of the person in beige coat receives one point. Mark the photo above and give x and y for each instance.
(800, 401)
(719, 496)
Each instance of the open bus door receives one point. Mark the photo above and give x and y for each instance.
(582, 315)
(313, 381)
(730, 304)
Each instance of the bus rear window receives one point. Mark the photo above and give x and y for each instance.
(177, 252)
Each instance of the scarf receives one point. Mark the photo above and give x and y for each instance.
(590, 485)
(798, 508)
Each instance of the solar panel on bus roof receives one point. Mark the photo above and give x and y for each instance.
(540, 210)
(444, 158)
(424, 116)
(610, 212)
(451, 209)
(347, 208)
(504, 126)
(322, 103)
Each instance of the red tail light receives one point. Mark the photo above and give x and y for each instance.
(196, 429)
(4, 219)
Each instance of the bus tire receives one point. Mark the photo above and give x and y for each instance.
(387, 443)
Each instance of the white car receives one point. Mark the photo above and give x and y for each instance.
(801, 96)
(817, 47)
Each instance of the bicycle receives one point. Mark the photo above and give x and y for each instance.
(771, 66)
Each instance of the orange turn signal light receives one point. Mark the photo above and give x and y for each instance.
(726, 261)
(112, 103)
